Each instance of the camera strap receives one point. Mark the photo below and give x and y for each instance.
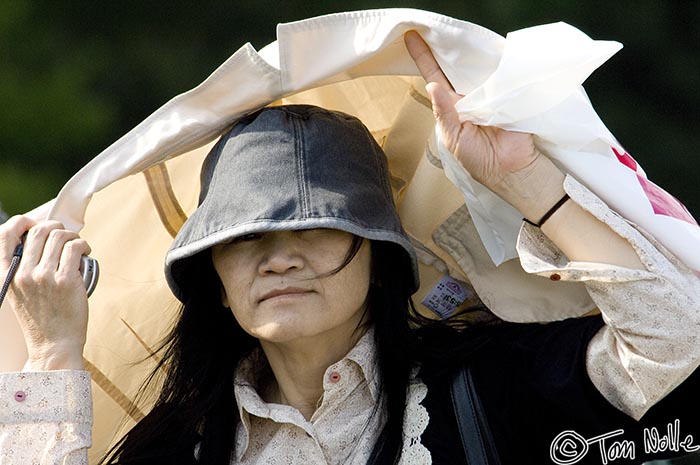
(16, 257)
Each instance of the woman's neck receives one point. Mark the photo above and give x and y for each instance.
(299, 367)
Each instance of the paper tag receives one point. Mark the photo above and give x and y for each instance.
(446, 296)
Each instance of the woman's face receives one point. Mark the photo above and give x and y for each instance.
(278, 288)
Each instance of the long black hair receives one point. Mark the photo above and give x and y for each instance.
(196, 407)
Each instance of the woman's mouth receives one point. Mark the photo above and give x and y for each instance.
(285, 293)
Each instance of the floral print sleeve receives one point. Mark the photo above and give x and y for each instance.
(45, 417)
(650, 342)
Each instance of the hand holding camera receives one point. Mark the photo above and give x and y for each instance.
(48, 290)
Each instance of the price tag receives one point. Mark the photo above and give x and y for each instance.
(446, 296)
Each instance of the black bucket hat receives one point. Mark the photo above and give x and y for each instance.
(289, 168)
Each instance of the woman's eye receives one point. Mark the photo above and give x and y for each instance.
(247, 238)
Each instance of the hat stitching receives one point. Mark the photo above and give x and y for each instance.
(300, 152)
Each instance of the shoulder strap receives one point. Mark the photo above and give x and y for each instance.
(479, 448)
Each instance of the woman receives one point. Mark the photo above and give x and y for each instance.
(295, 278)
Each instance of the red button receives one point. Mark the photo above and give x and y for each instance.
(555, 277)
(334, 377)
(20, 396)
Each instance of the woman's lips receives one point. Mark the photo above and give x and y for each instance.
(287, 292)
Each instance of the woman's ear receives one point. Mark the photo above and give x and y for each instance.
(224, 297)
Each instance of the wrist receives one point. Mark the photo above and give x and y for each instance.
(55, 358)
(550, 212)
(534, 189)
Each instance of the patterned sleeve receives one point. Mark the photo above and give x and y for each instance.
(649, 344)
(45, 417)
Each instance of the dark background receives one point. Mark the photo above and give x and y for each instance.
(76, 75)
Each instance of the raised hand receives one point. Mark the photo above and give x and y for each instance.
(47, 292)
(504, 161)
(509, 164)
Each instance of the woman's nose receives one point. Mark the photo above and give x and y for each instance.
(282, 254)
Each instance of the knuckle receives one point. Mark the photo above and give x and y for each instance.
(74, 247)
(13, 228)
(23, 280)
(62, 280)
(16, 221)
(26, 281)
(37, 232)
(45, 227)
(53, 236)
(84, 245)
(7, 227)
(39, 277)
(58, 234)
(55, 224)
(57, 237)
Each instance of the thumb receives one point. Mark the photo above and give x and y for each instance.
(443, 101)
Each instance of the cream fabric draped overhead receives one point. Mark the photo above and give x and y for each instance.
(132, 198)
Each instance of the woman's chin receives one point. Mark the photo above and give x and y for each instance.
(282, 332)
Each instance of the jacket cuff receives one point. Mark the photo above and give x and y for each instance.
(46, 396)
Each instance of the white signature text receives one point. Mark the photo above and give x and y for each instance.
(569, 447)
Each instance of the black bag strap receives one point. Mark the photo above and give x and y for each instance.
(479, 448)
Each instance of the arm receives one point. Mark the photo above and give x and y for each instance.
(649, 343)
(649, 300)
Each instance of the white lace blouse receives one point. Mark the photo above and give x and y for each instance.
(647, 347)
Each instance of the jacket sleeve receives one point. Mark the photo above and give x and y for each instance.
(649, 343)
(45, 417)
